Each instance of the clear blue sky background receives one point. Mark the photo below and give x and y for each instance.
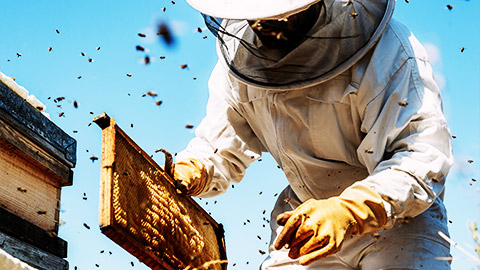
(29, 28)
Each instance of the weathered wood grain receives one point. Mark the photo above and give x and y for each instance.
(30, 254)
(19, 114)
(28, 191)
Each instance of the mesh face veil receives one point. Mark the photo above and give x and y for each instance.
(341, 32)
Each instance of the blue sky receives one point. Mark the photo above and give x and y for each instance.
(107, 33)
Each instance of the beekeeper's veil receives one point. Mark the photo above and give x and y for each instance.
(343, 32)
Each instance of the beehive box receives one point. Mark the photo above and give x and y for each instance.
(141, 211)
(36, 161)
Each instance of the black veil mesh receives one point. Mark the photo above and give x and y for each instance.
(343, 33)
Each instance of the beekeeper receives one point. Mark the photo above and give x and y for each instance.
(344, 99)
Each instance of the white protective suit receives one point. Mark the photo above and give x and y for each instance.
(378, 119)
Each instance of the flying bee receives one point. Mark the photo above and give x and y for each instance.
(86, 226)
(353, 15)
(75, 104)
(98, 48)
(58, 32)
(129, 75)
(403, 103)
(152, 93)
(82, 53)
(261, 252)
(188, 126)
(142, 35)
(159, 102)
(21, 189)
(140, 48)
(164, 32)
(146, 60)
(93, 158)
(61, 114)
(49, 49)
(42, 212)
(450, 7)
(183, 66)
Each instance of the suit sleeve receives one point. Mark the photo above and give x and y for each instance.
(224, 141)
(407, 147)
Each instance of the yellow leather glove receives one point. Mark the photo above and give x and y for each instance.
(317, 228)
(190, 176)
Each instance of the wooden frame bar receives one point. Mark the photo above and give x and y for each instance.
(141, 211)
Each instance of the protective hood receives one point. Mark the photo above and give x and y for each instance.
(343, 33)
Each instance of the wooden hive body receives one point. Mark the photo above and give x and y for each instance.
(36, 158)
(141, 211)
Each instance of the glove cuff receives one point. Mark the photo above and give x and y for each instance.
(366, 207)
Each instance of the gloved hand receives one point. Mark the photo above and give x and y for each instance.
(190, 176)
(317, 228)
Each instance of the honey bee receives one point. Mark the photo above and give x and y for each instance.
(403, 103)
(368, 151)
(41, 212)
(199, 30)
(58, 32)
(162, 57)
(86, 226)
(140, 48)
(75, 131)
(183, 66)
(98, 48)
(79, 77)
(164, 32)
(90, 60)
(163, 9)
(470, 161)
(188, 126)
(21, 189)
(93, 158)
(19, 54)
(129, 75)
(407, 1)
(75, 104)
(142, 35)
(450, 7)
(146, 59)
(40, 108)
(152, 93)
(287, 200)
(49, 49)
(159, 102)
(353, 15)
(61, 114)
(261, 251)
(82, 53)
(462, 49)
